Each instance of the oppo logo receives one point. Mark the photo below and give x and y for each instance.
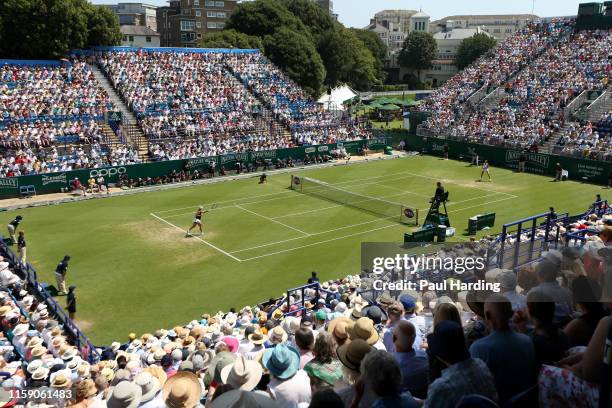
(113, 171)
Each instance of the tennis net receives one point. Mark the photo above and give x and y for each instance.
(377, 206)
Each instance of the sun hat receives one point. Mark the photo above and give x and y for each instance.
(283, 361)
(4, 310)
(375, 313)
(257, 337)
(182, 390)
(74, 363)
(243, 399)
(61, 380)
(339, 326)
(363, 329)
(158, 373)
(220, 361)
(124, 395)
(40, 373)
(107, 373)
(84, 370)
(121, 375)
(351, 354)
(277, 335)
(243, 374)
(69, 354)
(149, 385)
(85, 389)
(38, 351)
(34, 365)
(232, 343)
(20, 329)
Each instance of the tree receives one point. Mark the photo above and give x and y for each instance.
(50, 28)
(102, 27)
(264, 17)
(378, 49)
(293, 53)
(418, 51)
(317, 20)
(472, 48)
(232, 39)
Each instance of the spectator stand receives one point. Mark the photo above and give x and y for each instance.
(87, 349)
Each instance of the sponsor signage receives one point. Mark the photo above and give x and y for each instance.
(265, 154)
(9, 183)
(54, 179)
(537, 159)
(323, 148)
(226, 158)
(309, 150)
(107, 172)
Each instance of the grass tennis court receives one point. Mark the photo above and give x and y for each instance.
(135, 270)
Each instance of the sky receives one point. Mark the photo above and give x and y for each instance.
(357, 13)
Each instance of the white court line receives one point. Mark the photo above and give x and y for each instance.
(457, 183)
(312, 235)
(480, 205)
(320, 242)
(351, 235)
(273, 220)
(272, 194)
(205, 242)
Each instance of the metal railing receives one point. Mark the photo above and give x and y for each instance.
(29, 274)
(574, 105)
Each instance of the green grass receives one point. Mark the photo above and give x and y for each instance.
(394, 124)
(135, 272)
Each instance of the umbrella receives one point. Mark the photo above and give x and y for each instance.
(383, 101)
(390, 107)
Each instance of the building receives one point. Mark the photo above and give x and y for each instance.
(136, 14)
(499, 26)
(444, 66)
(183, 23)
(393, 26)
(326, 5)
(139, 36)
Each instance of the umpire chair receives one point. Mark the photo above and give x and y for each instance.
(438, 215)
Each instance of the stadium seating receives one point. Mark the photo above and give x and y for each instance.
(546, 68)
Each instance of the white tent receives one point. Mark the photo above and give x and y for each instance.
(338, 95)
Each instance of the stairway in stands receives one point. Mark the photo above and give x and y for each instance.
(134, 135)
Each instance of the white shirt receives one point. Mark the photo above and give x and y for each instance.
(292, 392)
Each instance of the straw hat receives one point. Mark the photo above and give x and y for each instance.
(41, 373)
(38, 351)
(363, 329)
(351, 354)
(182, 390)
(339, 326)
(4, 310)
(34, 365)
(125, 395)
(277, 335)
(148, 384)
(61, 380)
(243, 374)
(85, 389)
(257, 338)
(243, 399)
(20, 329)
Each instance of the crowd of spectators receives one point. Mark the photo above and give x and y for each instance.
(540, 338)
(27, 161)
(45, 109)
(585, 141)
(493, 69)
(40, 92)
(532, 105)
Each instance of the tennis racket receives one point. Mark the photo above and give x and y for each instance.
(210, 207)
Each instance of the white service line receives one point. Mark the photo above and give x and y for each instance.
(203, 241)
(320, 242)
(273, 220)
(456, 183)
(312, 235)
(480, 205)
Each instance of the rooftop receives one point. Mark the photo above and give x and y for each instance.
(137, 30)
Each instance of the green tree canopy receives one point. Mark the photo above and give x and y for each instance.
(378, 49)
(232, 39)
(472, 48)
(264, 17)
(418, 51)
(297, 57)
(50, 28)
(317, 20)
